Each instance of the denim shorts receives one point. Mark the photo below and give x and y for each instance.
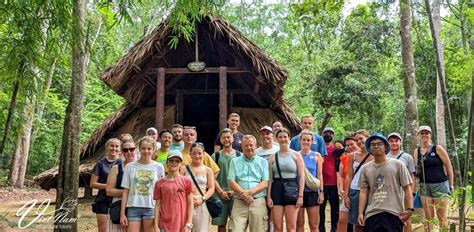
(435, 190)
(354, 210)
(140, 213)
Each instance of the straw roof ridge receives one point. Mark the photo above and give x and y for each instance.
(121, 72)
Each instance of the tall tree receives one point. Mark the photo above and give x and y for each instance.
(68, 181)
(22, 145)
(435, 19)
(409, 81)
(438, 49)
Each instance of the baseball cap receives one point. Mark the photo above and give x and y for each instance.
(424, 128)
(266, 128)
(175, 153)
(394, 134)
(328, 129)
(152, 129)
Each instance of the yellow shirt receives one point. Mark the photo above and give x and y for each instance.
(207, 160)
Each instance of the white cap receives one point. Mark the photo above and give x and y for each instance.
(175, 153)
(424, 128)
(152, 129)
(266, 128)
(394, 134)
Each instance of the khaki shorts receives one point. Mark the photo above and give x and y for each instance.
(254, 215)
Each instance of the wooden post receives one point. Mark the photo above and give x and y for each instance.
(160, 99)
(87, 192)
(222, 97)
(179, 101)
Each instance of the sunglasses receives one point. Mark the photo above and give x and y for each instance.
(131, 149)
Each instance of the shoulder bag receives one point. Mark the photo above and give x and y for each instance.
(311, 181)
(213, 204)
(290, 188)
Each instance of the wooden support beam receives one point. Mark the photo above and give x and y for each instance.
(179, 101)
(206, 70)
(256, 87)
(214, 91)
(160, 99)
(222, 97)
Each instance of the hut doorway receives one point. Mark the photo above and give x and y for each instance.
(202, 111)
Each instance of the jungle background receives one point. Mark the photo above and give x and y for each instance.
(344, 60)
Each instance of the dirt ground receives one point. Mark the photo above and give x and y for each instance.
(13, 201)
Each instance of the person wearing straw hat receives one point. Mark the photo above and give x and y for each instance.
(385, 191)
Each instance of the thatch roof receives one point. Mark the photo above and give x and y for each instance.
(130, 78)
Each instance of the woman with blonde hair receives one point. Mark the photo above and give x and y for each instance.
(99, 181)
(138, 182)
(313, 161)
(287, 167)
(436, 178)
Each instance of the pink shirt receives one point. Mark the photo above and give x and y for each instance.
(329, 167)
(173, 196)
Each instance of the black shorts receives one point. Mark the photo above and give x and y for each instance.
(101, 206)
(383, 222)
(310, 199)
(277, 193)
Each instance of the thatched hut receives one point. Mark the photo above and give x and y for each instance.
(159, 90)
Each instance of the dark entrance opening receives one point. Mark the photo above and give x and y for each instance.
(202, 111)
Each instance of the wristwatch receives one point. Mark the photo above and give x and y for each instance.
(411, 209)
(189, 225)
(203, 198)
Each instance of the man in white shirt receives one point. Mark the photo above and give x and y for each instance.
(268, 146)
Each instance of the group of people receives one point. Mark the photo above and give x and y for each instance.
(368, 180)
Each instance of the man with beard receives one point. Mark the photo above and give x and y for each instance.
(178, 143)
(330, 183)
(233, 121)
(268, 146)
(223, 190)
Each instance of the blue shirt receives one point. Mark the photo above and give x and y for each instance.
(318, 144)
(248, 173)
(311, 163)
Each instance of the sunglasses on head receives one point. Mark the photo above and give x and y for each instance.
(131, 149)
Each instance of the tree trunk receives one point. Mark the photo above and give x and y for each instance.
(440, 124)
(438, 49)
(8, 124)
(41, 103)
(68, 174)
(440, 121)
(22, 146)
(469, 153)
(409, 81)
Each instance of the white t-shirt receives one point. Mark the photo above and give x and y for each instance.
(266, 153)
(140, 179)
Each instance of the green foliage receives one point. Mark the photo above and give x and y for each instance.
(339, 61)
